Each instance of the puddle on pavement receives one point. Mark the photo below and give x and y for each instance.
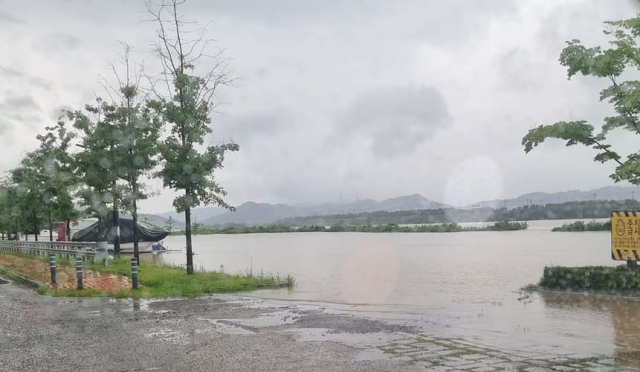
(169, 336)
(359, 340)
(226, 327)
(274, 319)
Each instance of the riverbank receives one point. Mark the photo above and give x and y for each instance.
(388, 228)
(580, 226)
(156, 280)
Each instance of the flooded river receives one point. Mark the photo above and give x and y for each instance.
(463, 284)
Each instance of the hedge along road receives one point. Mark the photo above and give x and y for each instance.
(462, 284)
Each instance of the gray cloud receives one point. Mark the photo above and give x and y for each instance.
(8, 18)
(244, 127)
(20, 103)
(35, 81)
(59, 42)
(467, 79)
(11, 72)
(396, 120)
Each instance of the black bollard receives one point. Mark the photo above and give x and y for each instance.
(52, 267)
(134, 272)
(79, 272)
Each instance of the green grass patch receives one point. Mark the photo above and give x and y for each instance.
(610, 280)
(158, 280)
(164, 281)
(579, 226)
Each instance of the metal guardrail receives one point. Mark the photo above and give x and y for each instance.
(70, 248)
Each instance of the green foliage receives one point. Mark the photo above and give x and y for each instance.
(97, 162)
(581, 226)
(611, 63)
(40, 188)
(591, 278)
(185, 167)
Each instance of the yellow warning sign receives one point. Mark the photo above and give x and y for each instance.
(625, 236)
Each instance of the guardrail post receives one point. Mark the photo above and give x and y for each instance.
(134, 272)
(52, 267)
(79, 272)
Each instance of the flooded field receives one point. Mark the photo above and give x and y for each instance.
(462, 284)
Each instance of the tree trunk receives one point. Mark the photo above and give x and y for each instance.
(187, 233)
(68, 226)
(50, 228)
(116, 225)
(134, 216)
(101, 236)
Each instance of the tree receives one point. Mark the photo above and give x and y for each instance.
(169, 224)
(610, 64)
(98, 163)
(56, 168)
(137, 130)
(29, 181)
(186, 106)
(10, 219)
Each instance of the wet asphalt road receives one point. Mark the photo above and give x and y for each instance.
(230, 333)
(39, 333)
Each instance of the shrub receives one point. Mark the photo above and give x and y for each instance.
(591, 278)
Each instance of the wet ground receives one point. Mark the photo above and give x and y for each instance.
(230, 333)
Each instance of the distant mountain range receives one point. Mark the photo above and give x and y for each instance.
(197, 214)
(603, 193)
(252, 213)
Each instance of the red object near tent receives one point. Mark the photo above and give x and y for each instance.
(62, 232)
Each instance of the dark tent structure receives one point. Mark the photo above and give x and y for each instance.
(92, 233)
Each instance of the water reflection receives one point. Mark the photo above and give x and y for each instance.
(623, 311)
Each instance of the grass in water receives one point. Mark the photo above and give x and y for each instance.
(384, 228)
(579, 226)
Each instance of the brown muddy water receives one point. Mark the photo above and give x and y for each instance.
(459, 284)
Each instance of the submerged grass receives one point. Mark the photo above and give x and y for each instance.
(580, 226)
(598, 279)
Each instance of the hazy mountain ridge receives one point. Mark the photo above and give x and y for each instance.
(603, 193)
(253, 213)
(197, 214)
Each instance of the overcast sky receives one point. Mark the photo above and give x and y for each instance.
(369, 98)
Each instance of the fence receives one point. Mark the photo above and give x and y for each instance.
(76, 249)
